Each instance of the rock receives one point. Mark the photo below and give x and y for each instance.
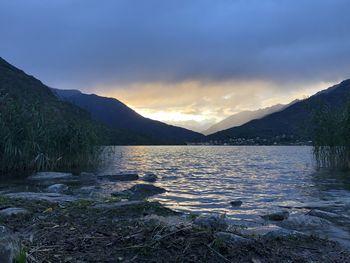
(211, 221)
(119, 177)
(57, 188)
(278, 216)
(87, 174)
(236, 203)
(150, 177)
(49, 197)
(9, 245)
(232, 239)
(87, 189)
(268, 230)
(302, 222)
(117, 205)
(283, 233)
(13, 211)
(323, 214)
(140, 191)
(49, 176)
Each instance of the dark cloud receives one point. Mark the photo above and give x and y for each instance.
(80, 43)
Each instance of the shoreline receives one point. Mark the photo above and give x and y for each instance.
(114, 230)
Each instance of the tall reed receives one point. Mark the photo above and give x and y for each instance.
(332, 137)
(39, 135)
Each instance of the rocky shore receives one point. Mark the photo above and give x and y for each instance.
(59, 227)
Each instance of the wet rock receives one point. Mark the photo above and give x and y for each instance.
(9, 245)
(212, 221)
(57, 188)
(49, 197)
(278, 216)
(232, 239)
(150, 177)
(236, 203)
(302, 222)
(13, 211)
(87, 189)
(87, 174)
(117, 205)
(267, 231)
(323, 214)
(49, 176)
(140, 191)
(119, 177)
(283, 233)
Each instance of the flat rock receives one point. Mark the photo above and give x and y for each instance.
(277, 216)
(9, 245)
(119, 177)
(57, 188)
(149, 177)
(49, 197)
(310, 205)
(49, 176)
(13, 211)
(268, 231)
(87, 189)
(232, 239)
(211, 221)
(323, 214)
(140, 191)
(302, 222)
(117, 205)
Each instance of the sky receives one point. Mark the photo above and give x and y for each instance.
(185, 62)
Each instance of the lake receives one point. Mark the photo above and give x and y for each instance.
(265, 178)
(207, 178)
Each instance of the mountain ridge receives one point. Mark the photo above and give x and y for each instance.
(243, 117)
(292, 123)
(117, 115)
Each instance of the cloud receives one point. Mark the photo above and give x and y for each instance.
(84, 42)
(189, 56)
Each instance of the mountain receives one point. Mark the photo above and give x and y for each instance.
(116, 115)
(243, 117)
(37, 130)
(291, 124)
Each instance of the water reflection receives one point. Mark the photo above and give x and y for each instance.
(206, 179)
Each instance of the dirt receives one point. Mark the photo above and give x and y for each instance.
(77, 232)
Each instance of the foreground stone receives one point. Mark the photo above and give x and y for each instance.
(49, 176)
(323, 214)
(49, 197)
(278, 216)
(13, 211)
(9, 245)
(140, 191)
(149, 178)
(119, 177)
(213, 221)
(117, 205)
(57, 188)
(302, 222)
(232, 239)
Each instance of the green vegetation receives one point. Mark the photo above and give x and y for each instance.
(332, 137)
(37, 131)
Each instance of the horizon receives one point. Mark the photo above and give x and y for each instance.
(189, 64)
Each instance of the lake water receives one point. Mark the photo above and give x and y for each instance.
(208, 178)
(265, 178)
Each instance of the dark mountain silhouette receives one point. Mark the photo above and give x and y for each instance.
(116, 115)
(292, 123)
(243, 117)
